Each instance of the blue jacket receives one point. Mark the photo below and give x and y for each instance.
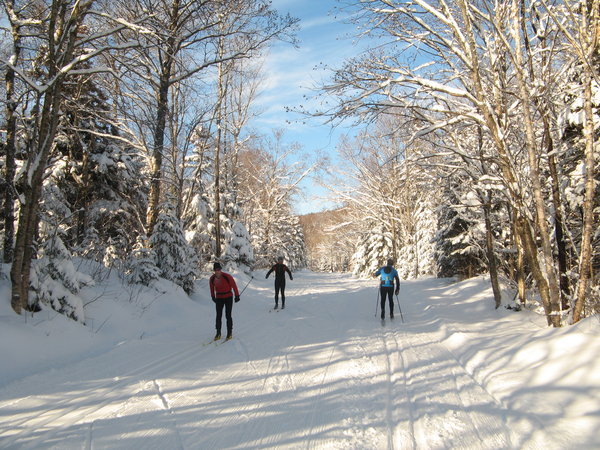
(388, 274)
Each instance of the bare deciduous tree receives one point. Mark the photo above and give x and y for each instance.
(181, 40)
(475, 67)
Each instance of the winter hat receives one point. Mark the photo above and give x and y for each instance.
(280, 259)
(390, 262)
(217, 266)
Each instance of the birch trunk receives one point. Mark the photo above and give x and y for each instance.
(553, 307)
(591, 30)
(489, 236)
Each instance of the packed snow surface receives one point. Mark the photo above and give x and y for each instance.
(450, 372)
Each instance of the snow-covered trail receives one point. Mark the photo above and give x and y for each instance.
(323, 373)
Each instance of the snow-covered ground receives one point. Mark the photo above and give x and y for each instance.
(324, 373)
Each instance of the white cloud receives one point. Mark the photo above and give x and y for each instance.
(291, 75)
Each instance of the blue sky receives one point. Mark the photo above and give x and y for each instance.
(290, 73)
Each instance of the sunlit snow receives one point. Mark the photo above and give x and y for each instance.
(323, 373)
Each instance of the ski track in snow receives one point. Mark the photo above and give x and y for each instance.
(323, 373)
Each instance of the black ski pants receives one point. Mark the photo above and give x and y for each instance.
(280, 287)
(226, 303)
(389, 292)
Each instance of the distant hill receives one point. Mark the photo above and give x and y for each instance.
(325, 235)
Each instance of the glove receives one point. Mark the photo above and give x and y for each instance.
(214, 299)
(266, 276)
(237, 298)
(397, 291)
(291, 277)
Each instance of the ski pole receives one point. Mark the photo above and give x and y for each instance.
(400, 309)
(251, 278)
(377, 301)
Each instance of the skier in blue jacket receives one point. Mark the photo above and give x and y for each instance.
(388, 275)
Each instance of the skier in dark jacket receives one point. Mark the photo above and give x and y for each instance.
(280, 269)
(221, 284)
(388, 275)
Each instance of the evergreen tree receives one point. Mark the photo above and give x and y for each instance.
(56, 282)
(175, 258)
(456, 254)
(296, 245)
(237, 252)
(199, 230)
(237, 249)
(96, 179)
(280, 235)
(416, 255)
(141, 265)
(373, 250)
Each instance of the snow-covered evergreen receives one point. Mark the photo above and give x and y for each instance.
(141, 266)
(237, 252)
(175, 258)
(200, 229)
(295, 246)
(237, 249)
(459, 249)
(373, 250)
(96, 184)
(283, 238)
(56, 282)
(416, 255)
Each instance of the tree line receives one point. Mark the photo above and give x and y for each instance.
(123, 143)
(481, 153)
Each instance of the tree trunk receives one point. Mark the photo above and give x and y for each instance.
(28, 216)
(489, 236)
(549, 149)
(559, 234)
(166, 70)
(217, 217)
(10, 169)
(84, 186)
(540, 208)
(585, 261)
(531, 253)
(520, 269)
(10, 147)
(217, 169)
(157, 151)
(491, 255)
(63, 26)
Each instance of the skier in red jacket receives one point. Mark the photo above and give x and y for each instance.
(221, 284)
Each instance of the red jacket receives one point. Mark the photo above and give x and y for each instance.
(220, 287)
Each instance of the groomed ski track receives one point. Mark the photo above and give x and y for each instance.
(323, 373)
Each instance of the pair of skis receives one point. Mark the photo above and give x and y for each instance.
(216, 342)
